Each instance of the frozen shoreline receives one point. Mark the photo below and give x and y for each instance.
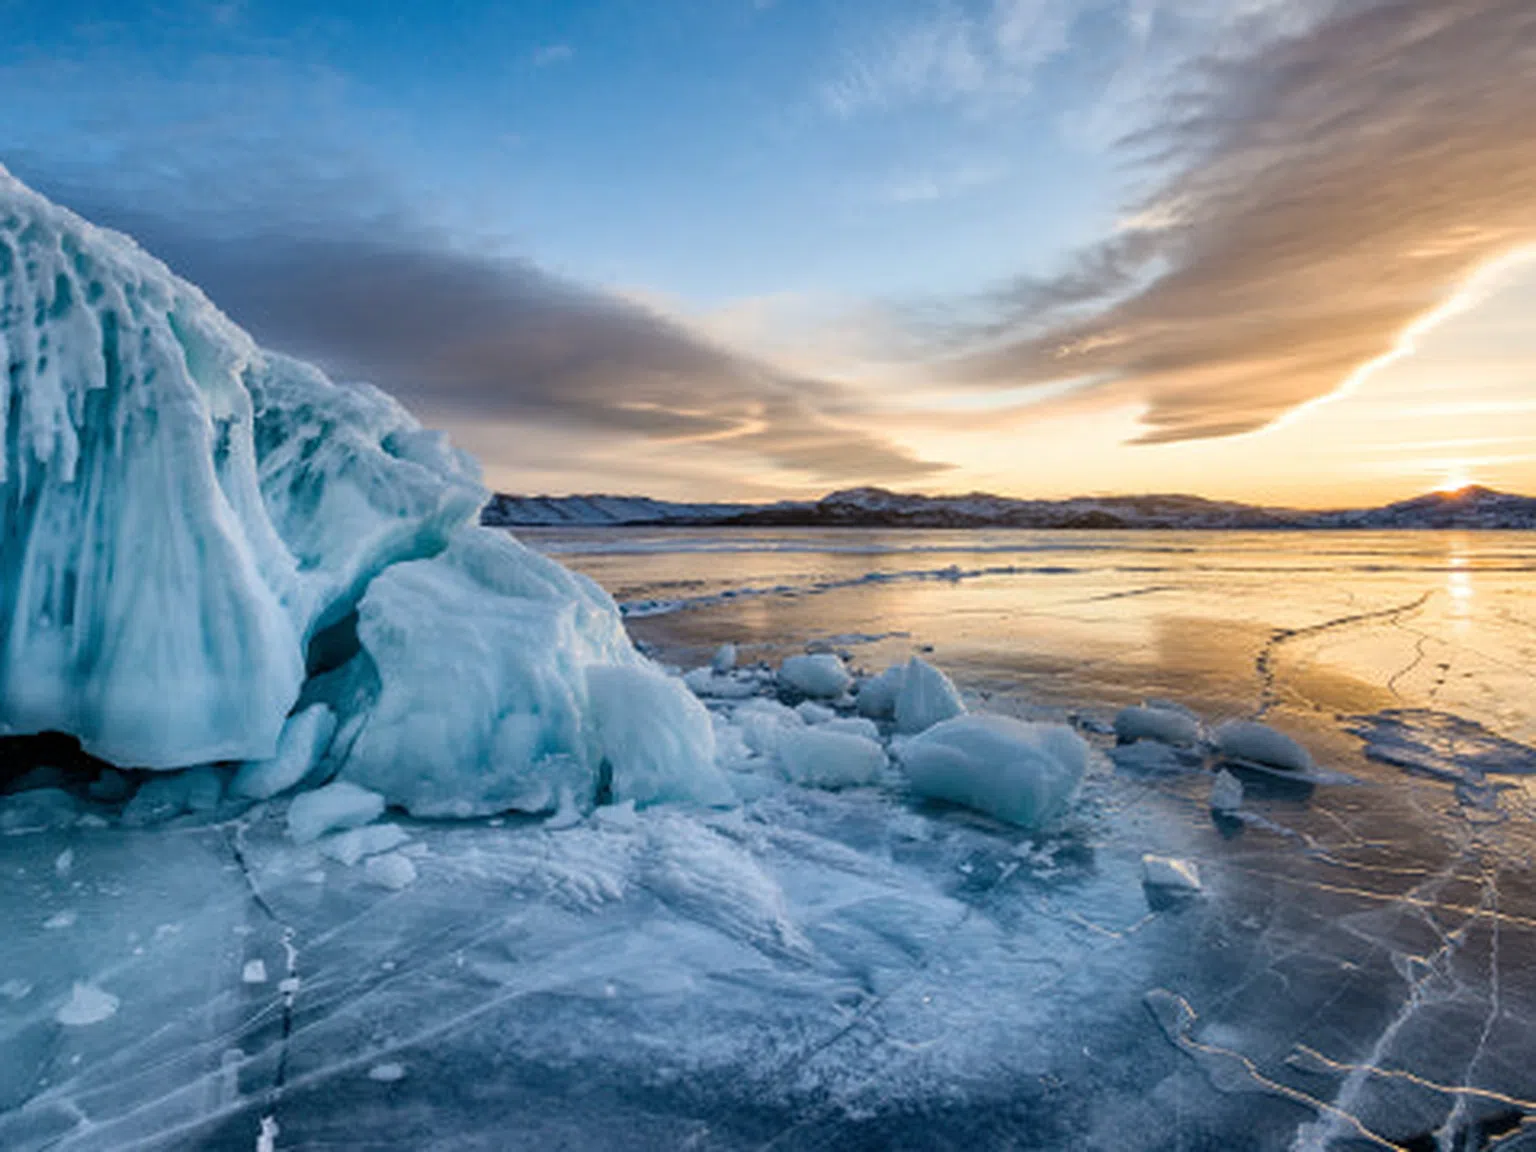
(809, 968)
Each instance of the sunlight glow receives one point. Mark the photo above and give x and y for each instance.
(1456, 479)
(1476, 288)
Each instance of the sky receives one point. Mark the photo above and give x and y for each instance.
(1281, 251)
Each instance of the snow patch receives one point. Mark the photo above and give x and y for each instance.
(87, 1004)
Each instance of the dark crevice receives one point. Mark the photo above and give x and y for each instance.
(54, 754)
(332, 646)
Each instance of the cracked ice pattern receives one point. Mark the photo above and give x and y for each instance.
(817, 971)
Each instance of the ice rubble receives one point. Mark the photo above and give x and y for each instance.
(335, 807)
(1026, 774)
(1150, 722)
(1261, 744)
(829, 759)
(202, 542)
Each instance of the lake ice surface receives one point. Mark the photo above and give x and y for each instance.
(854, 969)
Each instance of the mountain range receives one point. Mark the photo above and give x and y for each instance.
(1467, 508)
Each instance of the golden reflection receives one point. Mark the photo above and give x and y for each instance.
(1459, 579)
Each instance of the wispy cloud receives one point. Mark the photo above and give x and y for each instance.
(1313, 185)
(929, 185)
(952, 54)
(552, 54)
(233, 174)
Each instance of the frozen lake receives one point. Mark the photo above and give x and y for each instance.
(816, 970)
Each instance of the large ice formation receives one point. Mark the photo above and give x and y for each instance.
(199, 538)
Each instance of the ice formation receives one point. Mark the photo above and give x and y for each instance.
(820, 758)
(304, 741)
(1150, 722)
(203, 543)
(1026, 774)
(821, 675)
(1226, 793)
(877, 694)
(655, 737)
(352, 845)
(925, 698)
(1249, 740)
(1169, 872)
(336, 806)
(915, 694)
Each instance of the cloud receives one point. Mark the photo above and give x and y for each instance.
(1307, 197)
(552, 54)
(953, 54)
(459, 335)
(252, 177)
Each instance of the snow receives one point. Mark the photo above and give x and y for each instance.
(1023, 773)
(387, 1073)
(724, 658)
(655, 737)
(254, 972)
(337, 805)
(820, 675)
(1148, 722)
(1249, 740)
(817, 758)
(87, 1004)
(300, 747)
(925, 698)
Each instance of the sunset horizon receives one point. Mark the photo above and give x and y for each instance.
(997, 246)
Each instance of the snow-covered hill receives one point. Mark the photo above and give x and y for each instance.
(598, 510)
(1473, 508)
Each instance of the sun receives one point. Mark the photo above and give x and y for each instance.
(1455, 480)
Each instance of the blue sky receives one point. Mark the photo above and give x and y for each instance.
(776, 245)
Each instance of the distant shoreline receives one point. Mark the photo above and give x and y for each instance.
(1470, 509)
